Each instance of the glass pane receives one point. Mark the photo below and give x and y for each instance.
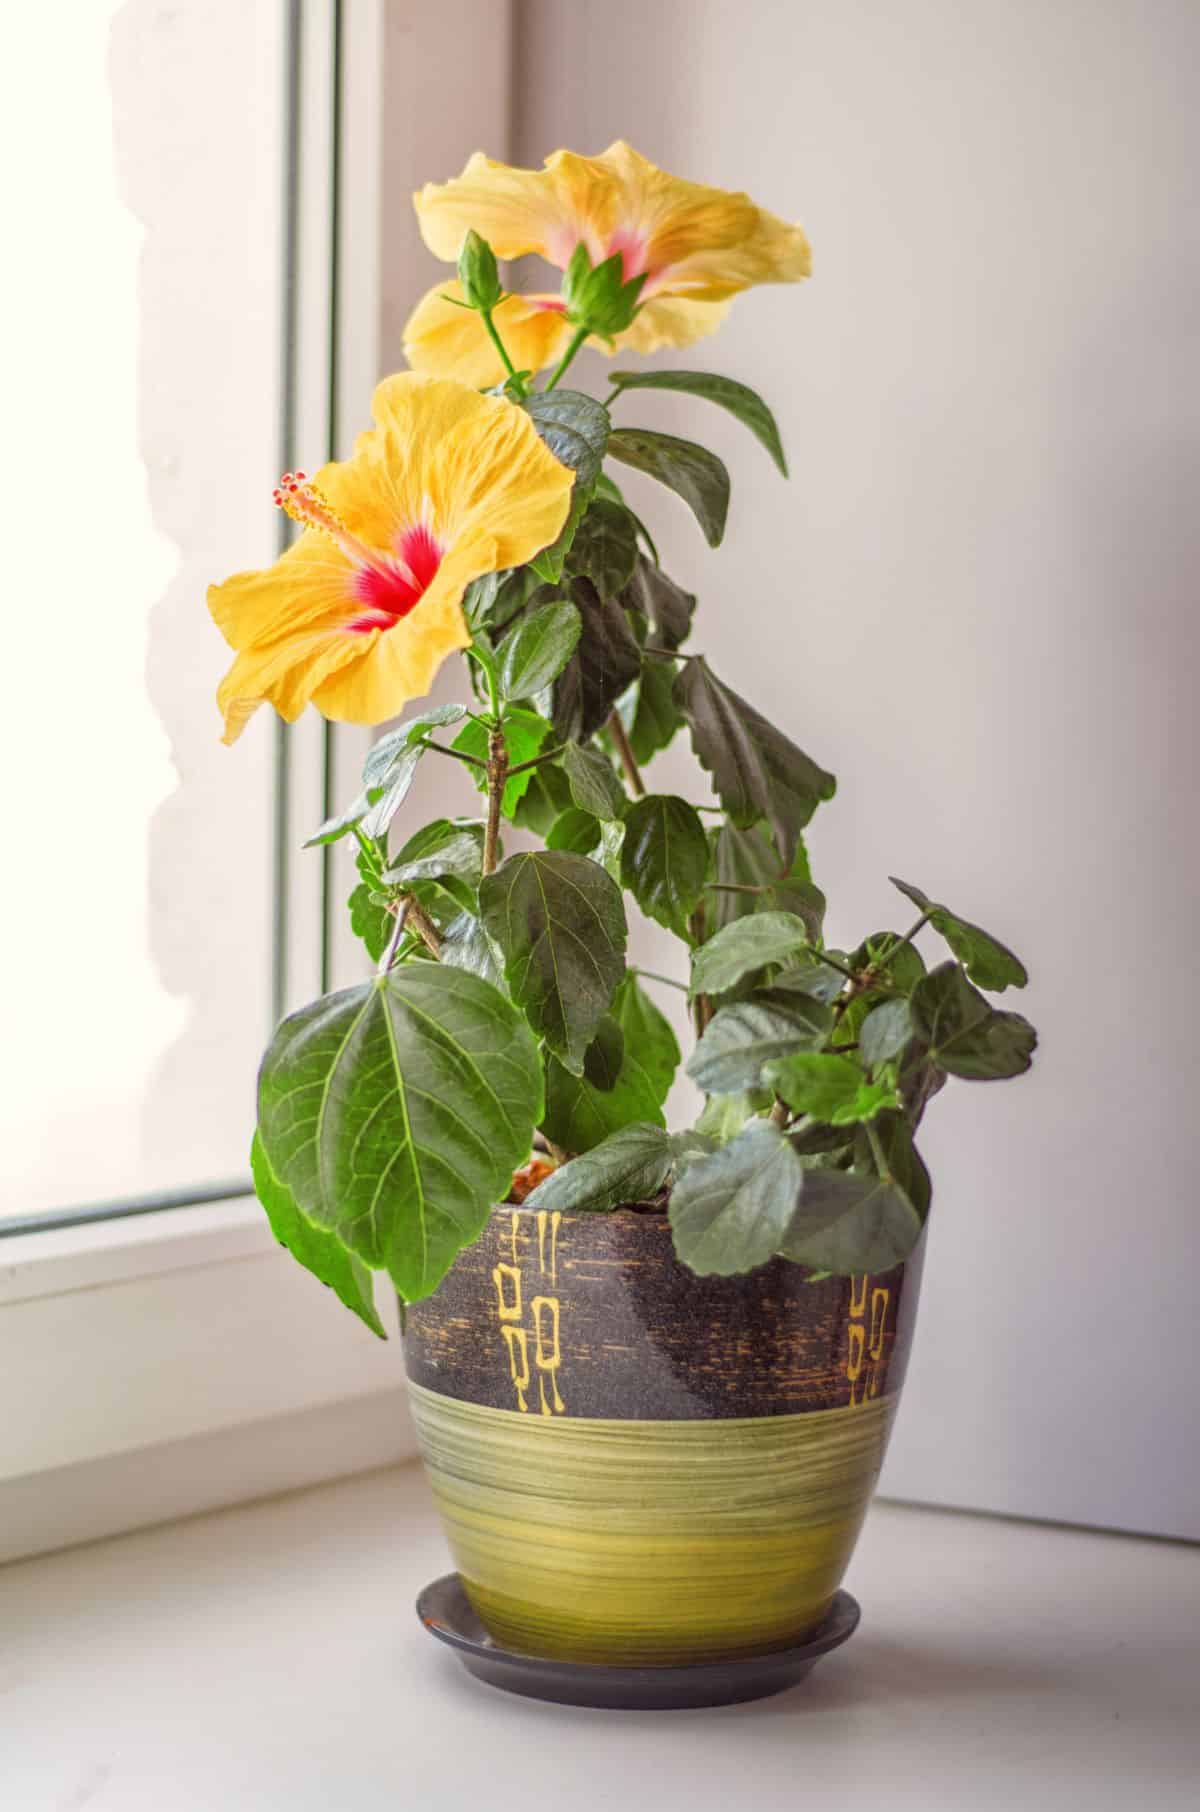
(144, 405)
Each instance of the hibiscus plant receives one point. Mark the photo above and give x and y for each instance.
(503, 1043)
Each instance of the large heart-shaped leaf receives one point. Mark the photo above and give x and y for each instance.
(740, 1040)
(988, 962)
(538, 649)
(727, 393)
(395, 1114)
(848, 1224)
(730, 1211)
(745, 945)
(664, 858)
(629, 1166)
(606, 660)
(692, 472)
(316, 1248)
(965, 1035)
(575, 428)
(757, 771)
(559, 921)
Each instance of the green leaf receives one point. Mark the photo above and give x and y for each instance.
(318, 1250)
(747, 858)
(370, 919)
(605, 546)
(988, 962)
(739, 399)
(692, 472)
(650, 1033)
(548, 562)
(649, 712)
(496, 598)
(829, 1087)
(574, 830)
(884, 1032)
(724, 1116)
(904, 1162)
(820, 980)
(730, 1211)
(448, 846)
(382, 756)
(390, 769)
(579, 1114)
(666, 606)
(574, 427)
(965, 1034)
(466, 945)
(594, 784)
(605, 1055)
(629, 1166)
(757, 771)
(524, 734)
(396, 1112)
(901, 964)
(341, 822)
(559, 922)
(740, 1040)
(545, 799)
(664, 858)
(606, 660)
(538, 649)
(846, 1224)
(745, 945)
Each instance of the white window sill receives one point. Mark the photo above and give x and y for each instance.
(268, 1657)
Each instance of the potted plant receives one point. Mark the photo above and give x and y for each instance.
(652, 1370)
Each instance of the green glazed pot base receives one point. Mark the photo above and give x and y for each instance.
(653, 1542)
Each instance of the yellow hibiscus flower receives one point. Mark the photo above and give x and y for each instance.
(359, 614)
(697, 247)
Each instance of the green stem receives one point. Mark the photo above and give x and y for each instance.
(393, 943)
(577, 339)
(824, 957)
(536, 760)
(498, 343)
(668, 981)
(440, 748)
(906, 939)
(879, 1155)
(624, 747)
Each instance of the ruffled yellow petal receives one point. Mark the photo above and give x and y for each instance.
(448, 484)
(512, 209)
(668, 321)
(443, 340)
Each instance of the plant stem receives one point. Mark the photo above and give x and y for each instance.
(668, 981)
(906, 939)
(498, 343)
(536, 761)
(456, 754)
(616, 391)
(879, 1155)
(824, 957)
(423, 925)
(702, 1007)
(577, 339)
(780, 1113)
(497, 774)
(393, 944)
(633, 773)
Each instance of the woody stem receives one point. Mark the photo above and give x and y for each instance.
(633, 773)
(497, 774)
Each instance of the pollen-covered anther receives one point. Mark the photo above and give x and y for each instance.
(303, 502)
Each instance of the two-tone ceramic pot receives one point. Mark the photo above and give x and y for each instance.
(638, 1465)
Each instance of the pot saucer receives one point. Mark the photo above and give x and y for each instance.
(446, 1612)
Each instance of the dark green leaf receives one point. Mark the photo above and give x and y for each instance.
(819, 979)
(730, 1211)
(964, 1033)
(538, 649)
(574, 427)
(743, 946)
(756, 770)
(847, 1224)
(446, 847)
(559, 922)
(605, 546)
(606, 660)
(497, 597)
(829, 1087)
(747, 858)
(545, 799)
(649, 1032)
(629, 1166)
(664, 858)
(666, 606)
(884, 1032)
(604, 1057)
(575, 830)
(524, 734)
(901, 965)
(741, 1039)
(466, 945)
(987, 961)
(649, 712)
(318, 1250)
(692, 472)
(592, 779)
(739, 399)
(904, 1162)
(579, 1115)
(396, 1112)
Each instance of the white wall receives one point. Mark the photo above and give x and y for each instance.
(975, 601)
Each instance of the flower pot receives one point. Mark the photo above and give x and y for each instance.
(638, 1465)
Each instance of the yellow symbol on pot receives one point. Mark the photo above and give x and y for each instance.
(554, 1220)
(544, 1315)
(517, 1342)
(547, 1354)
(863, 1343)
(507, 1311)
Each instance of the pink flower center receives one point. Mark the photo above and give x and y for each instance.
(389, 585)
